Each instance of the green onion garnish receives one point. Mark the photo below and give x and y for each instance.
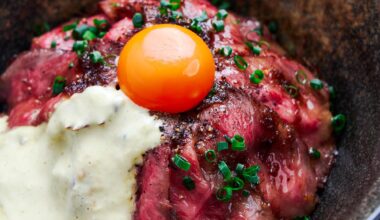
(138, 20)
(102, 34)
(223, 168)
(203, 17)
(222, 146)
(273, 27)
(301, 77)
(218, 25)
(224, 194)
(228, 139)
(175, 4)
(302, 218)
(176, 15)
(53, 44)
(101, 24)
(314, 153)
(238, 143)
(239, 168)
(236, 183)
(79, 47)
(195, 26)
(59, 85)
(188, 183)
(79, 31)
(89, 35)
(259, 31)
(222, 14)
(332, 92)
(255, 49)
(316, 84)
(291, 90)
(226, 51)
(96, 57)
(257, 76)
(70, 27)
(240, 62)
(250, 174)
(71, 65)
(181, 162)
(338, 122)
(245, 193)
(210, 156)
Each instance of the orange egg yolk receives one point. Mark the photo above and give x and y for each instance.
(166, 68)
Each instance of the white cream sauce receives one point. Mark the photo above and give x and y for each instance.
(79, 165)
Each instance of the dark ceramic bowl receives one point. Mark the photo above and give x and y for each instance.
(338, 39)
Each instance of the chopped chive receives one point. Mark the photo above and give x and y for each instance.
(226, 51)
(195, 26)
(59, 85)
(223, 168)
(224, 194)
(222, 14)
(332, 92)
(257, 76)
(239, 168)
(301, 77)
(240, 62)
(102, 34)
(70, 27)
(316, 84)
(188, 183)
(245, 193)
(88, 35)
(225, 5)
(138, 20)
(71, 65)
(291, 90)
(236, 183)
(228, 139)
(79, 31)
(210, 156)
(250, 174)
(302, 218)
(203, 17)
(222, 146)
(101, 24)
(79, 47)
(175, 4)
(314, 153)
(41, 29)
(218, 25)
(238, 143)
(338, 122)
(181, 162)
(255, 49)
(176, 15)
(259, 31)
(273, 27)
(96, 57)
(53, 44)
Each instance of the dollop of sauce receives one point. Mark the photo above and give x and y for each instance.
(80, 164)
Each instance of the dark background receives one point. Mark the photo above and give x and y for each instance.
(338, 39)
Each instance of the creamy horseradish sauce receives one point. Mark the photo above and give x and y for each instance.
(79, 165)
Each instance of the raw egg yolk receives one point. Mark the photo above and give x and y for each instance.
(166, 68)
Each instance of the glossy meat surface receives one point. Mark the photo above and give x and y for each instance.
(279, 129)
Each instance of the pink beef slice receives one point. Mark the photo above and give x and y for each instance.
(32, 75)
(153, 201)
